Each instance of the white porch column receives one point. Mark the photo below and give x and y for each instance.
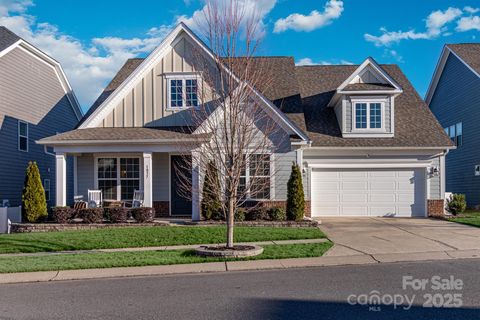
(147, 179)
(196, 190)
(61, 179)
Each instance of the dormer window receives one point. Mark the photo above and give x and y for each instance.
(182, 91)
(368, 115)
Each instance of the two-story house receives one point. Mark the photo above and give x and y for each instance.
(36, 101)
(366, 142)
(453, 96)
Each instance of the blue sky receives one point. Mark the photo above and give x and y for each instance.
(92, 39)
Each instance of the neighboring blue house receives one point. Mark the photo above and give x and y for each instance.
(36, 101)
(454, 98)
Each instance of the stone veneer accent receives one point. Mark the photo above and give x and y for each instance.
(262, 223)
(436, 208)
(162, 208)
(52, 227)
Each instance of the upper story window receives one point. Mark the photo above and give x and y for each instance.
(368, 115)
(22, 136)
(183, 91)
(455, 132)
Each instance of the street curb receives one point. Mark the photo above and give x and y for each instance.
(213, 267)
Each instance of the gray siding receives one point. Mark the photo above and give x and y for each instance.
(85, 175)
(457, 99)
(161, 177)
(30, 91)
(282, 168)
(348, 116)
(434, 182)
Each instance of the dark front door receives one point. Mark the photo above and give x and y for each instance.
(181, 175)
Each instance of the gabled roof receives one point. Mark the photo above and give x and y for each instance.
(145, 66)
(10, 41)
(415, 125)
(467, 53)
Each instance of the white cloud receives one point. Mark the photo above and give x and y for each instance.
(395, 55)
(436, 25)
(311, 62)
(256, 9)
(89, 66)
(471, 9)
(468, 23)
(299, 22)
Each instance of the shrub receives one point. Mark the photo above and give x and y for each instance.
(63, 214)
(277, 214)
(34, 205)
(240, 214)
(211, 205)
(257, 214)
(91, 215)
(295, 195)
(116, 214)
(456, 204)
(143, 214)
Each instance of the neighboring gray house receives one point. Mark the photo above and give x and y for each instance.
(36, 101)
(366, 142)
(454, 98)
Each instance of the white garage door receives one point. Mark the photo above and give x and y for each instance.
(372, 192)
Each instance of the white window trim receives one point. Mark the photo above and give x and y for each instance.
(45, 189)
(119, 185)
(368, 101)
(247, 176)
(183, 76)
(20, 136)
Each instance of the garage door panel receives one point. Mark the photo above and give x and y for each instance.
(374, 192)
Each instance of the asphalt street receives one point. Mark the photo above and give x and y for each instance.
(380, 291)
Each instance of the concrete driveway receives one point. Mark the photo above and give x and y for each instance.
(389, 236)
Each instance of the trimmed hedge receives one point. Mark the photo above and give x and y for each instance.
(116, 214)
(240, 214)
(277, 214)
(63, 214)
(144, 214)
(34, 205)
(91, 215)
(456, 204)
(257, 214)
(295, 195)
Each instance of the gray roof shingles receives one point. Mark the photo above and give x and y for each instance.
(469, 53)
(7, 38)
(303, 93)
(123, 134)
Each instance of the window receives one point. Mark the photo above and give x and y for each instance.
(118, 177)
(455, 132)
(368, 115)
(257, 177)
(183, 92)
(361, 116)
(459, 132)
(22, 136)
(46, 187)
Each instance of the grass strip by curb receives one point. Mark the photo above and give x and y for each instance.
(147, 258)
(469, 218)
(145, 237)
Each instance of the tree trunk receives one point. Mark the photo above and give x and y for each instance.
(230, 222)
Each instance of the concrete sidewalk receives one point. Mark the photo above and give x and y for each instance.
(160, 248)
(327, 260)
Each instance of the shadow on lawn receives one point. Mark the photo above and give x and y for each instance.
(28, 246)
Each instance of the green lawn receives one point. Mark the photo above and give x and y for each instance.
(145, 258)
(144, 237)
(471, 218)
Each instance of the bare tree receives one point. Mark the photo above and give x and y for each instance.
(241, 128)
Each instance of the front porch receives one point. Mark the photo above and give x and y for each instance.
(161, 176)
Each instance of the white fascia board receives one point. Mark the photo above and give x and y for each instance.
(43, 57)
(376, 67)
(366, 165)
(390, 92)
